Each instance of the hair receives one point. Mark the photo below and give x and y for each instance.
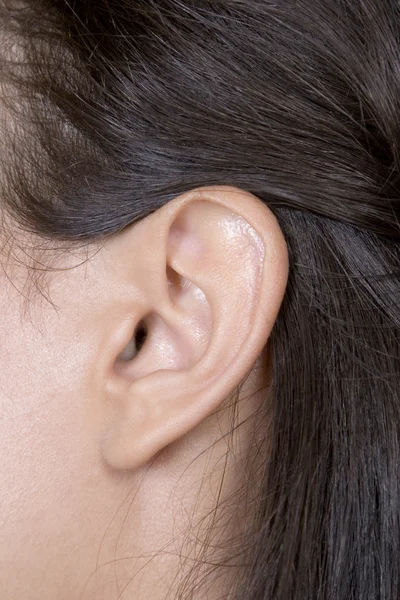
(113, 108)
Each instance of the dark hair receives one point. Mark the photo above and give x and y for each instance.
(113, 108)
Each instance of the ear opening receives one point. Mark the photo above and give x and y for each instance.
(136, 343)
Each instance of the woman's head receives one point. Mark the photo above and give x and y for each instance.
(199, 301)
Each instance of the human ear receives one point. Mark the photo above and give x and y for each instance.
(203, 278)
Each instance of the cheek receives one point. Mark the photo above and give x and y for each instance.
(49, 471)
(35, 417)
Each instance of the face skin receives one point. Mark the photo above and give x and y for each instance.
(105, 493)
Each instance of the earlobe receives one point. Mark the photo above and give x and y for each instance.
(219, 272)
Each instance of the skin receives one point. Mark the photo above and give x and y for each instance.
(111, 467)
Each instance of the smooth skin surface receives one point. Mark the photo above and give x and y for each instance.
(112, 460)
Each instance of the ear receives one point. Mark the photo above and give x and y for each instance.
(204, 278)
